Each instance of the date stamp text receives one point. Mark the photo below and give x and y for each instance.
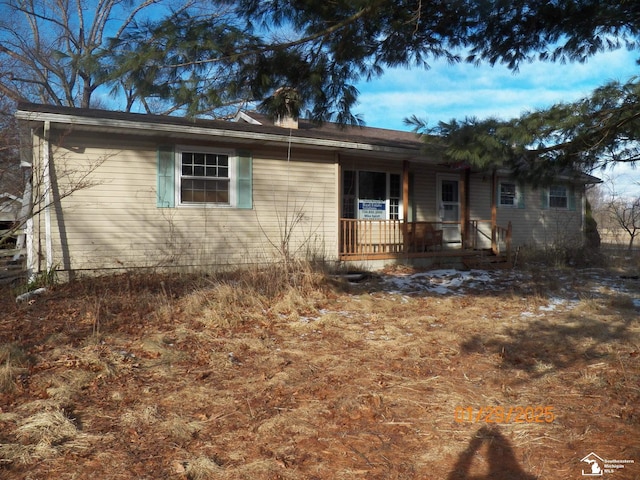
(500, 414)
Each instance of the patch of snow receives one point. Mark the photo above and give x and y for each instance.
(30, 295)
(458, 283)
(441, 282)
(554, 303)
(445, 281)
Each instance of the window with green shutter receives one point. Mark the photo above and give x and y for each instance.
(197, 176)
(559, 197)
(245, 180)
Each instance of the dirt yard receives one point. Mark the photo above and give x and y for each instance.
(406, 375)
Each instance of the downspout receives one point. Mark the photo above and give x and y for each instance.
(46, 174)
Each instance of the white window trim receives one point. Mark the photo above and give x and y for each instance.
(516, 199)
(231, 154)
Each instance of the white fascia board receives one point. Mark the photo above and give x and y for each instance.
(242, 116)
(155, 128)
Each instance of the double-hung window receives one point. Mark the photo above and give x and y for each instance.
(508, 194)
(205, 177)
(558, 196)
(200, 176)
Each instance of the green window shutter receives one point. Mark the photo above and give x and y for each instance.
(244, 180)
(165, 197)
(544, 198)
(520, 190)
(571, 198)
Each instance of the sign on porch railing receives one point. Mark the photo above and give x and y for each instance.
(372, 209)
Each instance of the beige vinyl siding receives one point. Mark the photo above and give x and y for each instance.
(537, 226)
(553, 226)
(480, 207)
(531, 224)
(424, 200)
(297, 197)
(115, 223)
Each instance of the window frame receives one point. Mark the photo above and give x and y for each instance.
(516, 195)
(232, 178)
(390, 201)
(565, 197)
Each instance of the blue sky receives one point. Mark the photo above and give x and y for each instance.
(462, 90)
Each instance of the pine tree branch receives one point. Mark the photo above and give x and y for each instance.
(282, 46)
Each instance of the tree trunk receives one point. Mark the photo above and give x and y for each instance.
(633, 236)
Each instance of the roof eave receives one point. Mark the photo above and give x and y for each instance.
(154, 128)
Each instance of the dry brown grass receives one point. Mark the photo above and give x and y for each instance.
(44, 435)
(12, 362)
(283, 373)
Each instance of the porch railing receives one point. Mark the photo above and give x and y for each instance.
(502, 240)
(392, 238)
(370, 237)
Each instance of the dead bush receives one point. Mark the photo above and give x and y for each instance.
(561, 256)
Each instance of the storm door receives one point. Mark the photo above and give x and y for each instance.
(449, 207)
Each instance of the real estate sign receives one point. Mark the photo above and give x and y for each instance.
(372, 209)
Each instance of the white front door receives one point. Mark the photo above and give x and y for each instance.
(449, 207)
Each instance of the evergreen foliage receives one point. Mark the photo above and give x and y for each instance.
(213, 58)
(562, 139)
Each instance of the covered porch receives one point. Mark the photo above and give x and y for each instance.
(419, 213)
(389, 239)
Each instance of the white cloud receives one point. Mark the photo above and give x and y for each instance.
(462, 90)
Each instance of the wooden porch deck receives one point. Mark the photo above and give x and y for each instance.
(394, 239)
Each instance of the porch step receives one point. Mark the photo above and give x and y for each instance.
(484, 261)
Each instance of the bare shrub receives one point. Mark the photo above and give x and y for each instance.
(560, 255)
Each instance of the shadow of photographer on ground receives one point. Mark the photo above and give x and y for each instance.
(502, 463)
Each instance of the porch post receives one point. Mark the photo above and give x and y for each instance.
(405, 205)
(494, 210)
(465, 214)
(337, 165)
